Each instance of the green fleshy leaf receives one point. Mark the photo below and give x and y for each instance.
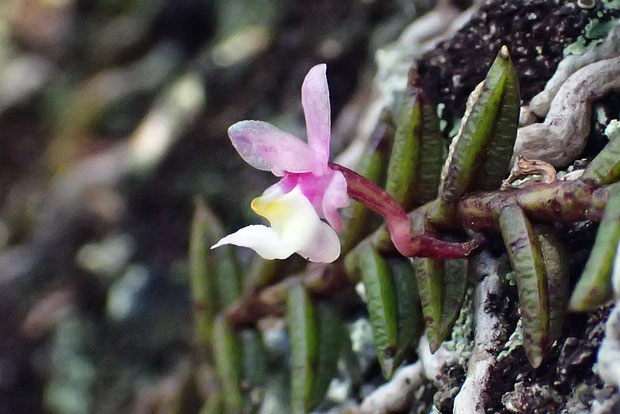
(381, 304)
(594, 286)
(331, 338)
(529, 267)
(201, 277)
(431, 154)
(226, 270)
(403, 167)
(455, 287)
(605, 167)
(254, 358)
(227, 276)
(499, 151)
(303, 333)
(409, 308)
(556, 270)
(468, 148)
(430, 274)
(228, 363)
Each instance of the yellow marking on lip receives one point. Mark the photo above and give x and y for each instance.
(258, 206)
(272, 209)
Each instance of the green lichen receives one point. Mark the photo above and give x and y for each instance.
(462, 340)
(510, 277)
(443, 124)
(576, 48)
(515, 341)
(595, 29)
(611, 4)
(612, 131)
(594, 33)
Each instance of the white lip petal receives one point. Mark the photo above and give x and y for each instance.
(324, 246)
(262, 239)
(295, 227)
(301, 228)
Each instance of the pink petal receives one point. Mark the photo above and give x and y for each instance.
(268, 148)
(335, 197)
(315, 100)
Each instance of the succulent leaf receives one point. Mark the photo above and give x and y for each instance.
(556, 270)
(499, 151)
(594, 286)
(228, 363)
(303, 331)
(431, 153)
(331, 339)
(430, 275)
(605, 167)
(201, 276)
(254, 358)
(478, 125)
(382, 306)
(404, 159)
(409, 308)
(455, 286)
(528, 265)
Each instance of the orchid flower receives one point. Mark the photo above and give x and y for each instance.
(309, 189)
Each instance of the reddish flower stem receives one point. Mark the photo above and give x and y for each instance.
(420, 245)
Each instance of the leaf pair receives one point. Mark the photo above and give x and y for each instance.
(215, 283)
(393, 305)
(442, 285)
(539, 265)
(215, 280)
(240, 362)
(227, 353)
(480, 153)
(316, 335)
(415, 161)
(478, 158)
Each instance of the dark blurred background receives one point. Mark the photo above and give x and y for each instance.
(113, 118)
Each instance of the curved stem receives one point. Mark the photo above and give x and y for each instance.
(419, 245)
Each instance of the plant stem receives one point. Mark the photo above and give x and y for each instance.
(419, 245)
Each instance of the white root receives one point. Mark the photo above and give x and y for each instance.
(610, 48)
(489, 335)
(562, 136)
(396, 394)
(609, 351)
(434, 363)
